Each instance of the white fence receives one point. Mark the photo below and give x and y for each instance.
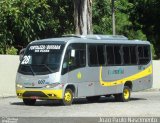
(9, 66)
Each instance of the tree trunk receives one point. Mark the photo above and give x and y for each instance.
(83, 16)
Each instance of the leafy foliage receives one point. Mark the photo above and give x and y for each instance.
(102, 17)
(145, 16)
(11, 51)
(22, 21)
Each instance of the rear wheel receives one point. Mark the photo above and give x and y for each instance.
(125, 96)
(93, 98)
(68, 97)
(29, 101)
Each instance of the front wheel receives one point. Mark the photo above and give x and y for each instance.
(125, 96)
(68, 97)
(29, 101)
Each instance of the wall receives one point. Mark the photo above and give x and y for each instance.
(8, 69)
(156, 74)
(9, 66)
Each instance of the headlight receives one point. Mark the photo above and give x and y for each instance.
(48, 86)
(19, 86)
(52, 85)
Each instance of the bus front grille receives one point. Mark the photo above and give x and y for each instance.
(34, 93)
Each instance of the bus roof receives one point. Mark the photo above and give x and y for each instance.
(111, 39)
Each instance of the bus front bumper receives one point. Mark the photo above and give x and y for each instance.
(39, 94)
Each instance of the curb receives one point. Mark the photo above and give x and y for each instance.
(4, 97)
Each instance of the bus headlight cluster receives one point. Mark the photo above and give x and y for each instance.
(52, 85)
(19, 86)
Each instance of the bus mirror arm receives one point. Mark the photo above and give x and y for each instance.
(21, 53)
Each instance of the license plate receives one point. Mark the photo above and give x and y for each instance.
(34, 97)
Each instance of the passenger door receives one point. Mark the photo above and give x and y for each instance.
(76, 64)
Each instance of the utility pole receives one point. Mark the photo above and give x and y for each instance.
(113, 18)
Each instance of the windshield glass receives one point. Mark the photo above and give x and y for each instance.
(40, 59)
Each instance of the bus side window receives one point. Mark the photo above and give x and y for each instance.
(133, 55)
(118, 60)
(110, 55)
(126, 55)
(93, 56)
(96, 55)
(78, 60)
(146, 52)
(65, 63)
(101, 54)
(75, 57)
(143, 54)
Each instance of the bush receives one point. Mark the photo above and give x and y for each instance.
(11, 51)
(1, 51)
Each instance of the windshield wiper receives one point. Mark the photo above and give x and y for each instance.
(49, 69)
(32, 70)
(28, 65)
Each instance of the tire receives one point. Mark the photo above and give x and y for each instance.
(29, 101)
(108, 95)
(125, 96)
(93, 98)
(68, 97)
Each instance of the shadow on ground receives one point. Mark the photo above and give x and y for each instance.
(78, 101)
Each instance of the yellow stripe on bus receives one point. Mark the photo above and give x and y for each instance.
(136, 76)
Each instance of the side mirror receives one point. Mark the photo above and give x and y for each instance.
(21, 53)
(64, 65)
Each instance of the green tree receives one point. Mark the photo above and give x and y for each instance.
(145, 16)
(61, 20)
(102, 19)
(22, 21)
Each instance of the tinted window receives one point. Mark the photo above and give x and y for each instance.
(110, 55)
(75, 57)
(93, 56)
(126, 55)
(140, 51)
(146, 51)
(40, 59)
(144, 54)
(117, 55)
(133, 55)
(101, 54)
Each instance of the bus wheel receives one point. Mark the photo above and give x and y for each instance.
(29, 101)
(93, 98)
(108, 95)
(125, 96)
(68, 97)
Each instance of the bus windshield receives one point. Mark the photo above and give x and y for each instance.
(41, 59)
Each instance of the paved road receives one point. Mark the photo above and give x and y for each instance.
(142, 104)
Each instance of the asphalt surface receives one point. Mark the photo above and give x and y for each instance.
(142, 104)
